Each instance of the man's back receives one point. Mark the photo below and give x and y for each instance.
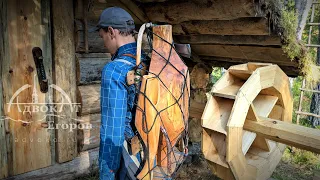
(117, 107)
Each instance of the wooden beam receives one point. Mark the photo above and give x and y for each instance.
(85, 163)
(91, 66)
(241, 26)
(90, 95)
(89, 138)
(291, 64)
(98, 7)
(264, 54)
(4, 56)
(177, 12)
(227, 62)
(136, 10)
(228, 39)
(287, 133)
(65, 75)
(148, 1)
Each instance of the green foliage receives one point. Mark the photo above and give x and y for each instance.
(289, 23)
(302, 158)
(305, 102)
(294, 48)
(216, 74)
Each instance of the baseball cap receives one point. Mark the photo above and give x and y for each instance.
(115, 17)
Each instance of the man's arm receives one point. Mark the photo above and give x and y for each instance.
(113, 117)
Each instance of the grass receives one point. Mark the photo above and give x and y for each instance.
(297, 164)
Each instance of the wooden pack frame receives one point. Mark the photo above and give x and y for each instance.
(163, 106)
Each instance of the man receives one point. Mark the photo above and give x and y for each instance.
(116, 28)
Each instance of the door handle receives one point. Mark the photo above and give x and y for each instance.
(38, 60)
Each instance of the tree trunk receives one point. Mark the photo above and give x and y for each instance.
(302, 8)
(315, 101)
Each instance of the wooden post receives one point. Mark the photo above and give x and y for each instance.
(64, 75)
(3, 57)
(301, 99)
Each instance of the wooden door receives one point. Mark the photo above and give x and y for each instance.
(28, 146)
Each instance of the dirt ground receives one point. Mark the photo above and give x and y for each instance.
(195, 168)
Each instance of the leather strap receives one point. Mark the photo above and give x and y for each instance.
(130, 55)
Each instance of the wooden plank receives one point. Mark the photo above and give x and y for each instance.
(265, 54)
(264, 104)
(241, 26)
(65, 74)
(242, 74)
(276, 112)
(290, 134)
(4, 56)
(91, 67)
(89, 137)
(28, 28)
(291, 64)
(247, 140)
(264, 40)
(262, 153)
(213, 147)
(226, 80)
(216, 114)
(221, 171)
(229, 92)
(261, 142)
(177, 12)
(83, 164)
(90, 95)
(235, 157)
(246, 95)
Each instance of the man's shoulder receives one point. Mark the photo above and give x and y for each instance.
(117, 66)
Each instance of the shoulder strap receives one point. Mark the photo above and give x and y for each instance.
(124, 61)
(130, 55)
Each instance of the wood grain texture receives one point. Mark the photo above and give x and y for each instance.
(290, 134)
(28, 28)
(89, 138)
(172, 101)
(90, 95)
(3, 57)
(265, 54)
(177, 12)
(265, 40)
(64, 74)
(80, 166)
(148, 127)
(259, 96)
(90, 67)
(241, 26)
